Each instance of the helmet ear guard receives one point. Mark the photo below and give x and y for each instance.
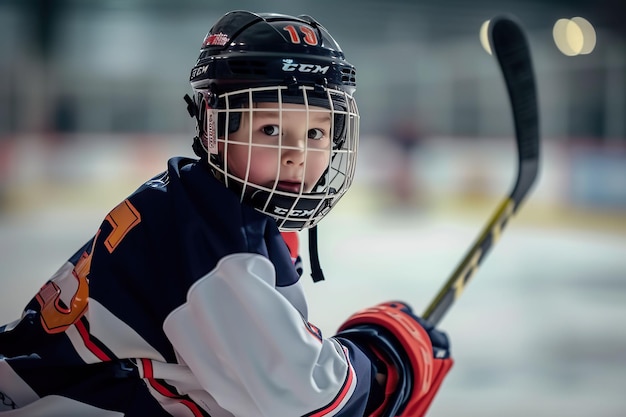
(198, 110)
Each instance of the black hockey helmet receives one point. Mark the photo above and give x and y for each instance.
(248, 58)
(244, 50)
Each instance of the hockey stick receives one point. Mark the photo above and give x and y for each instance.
(510, 46)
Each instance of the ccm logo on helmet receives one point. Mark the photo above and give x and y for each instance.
(289, 65)
(281, 211)
(197, 71)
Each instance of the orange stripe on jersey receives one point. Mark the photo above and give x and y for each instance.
(345, 389)
(291, 239)
(165, 391)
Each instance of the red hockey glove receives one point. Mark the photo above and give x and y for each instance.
(416, 356)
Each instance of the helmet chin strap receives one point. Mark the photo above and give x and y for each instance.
(192, 107)
(316, 269)
(197, 146)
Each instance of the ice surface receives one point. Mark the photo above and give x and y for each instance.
(539, 330)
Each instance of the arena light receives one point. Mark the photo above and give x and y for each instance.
(589, 34)
(574, 36)
(567, 37)
(483, 35)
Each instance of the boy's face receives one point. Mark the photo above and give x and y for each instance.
(290, 152)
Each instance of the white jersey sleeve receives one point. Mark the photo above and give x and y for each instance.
(251, 349)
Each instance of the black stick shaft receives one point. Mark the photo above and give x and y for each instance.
(511, 49)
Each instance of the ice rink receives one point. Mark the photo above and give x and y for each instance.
(539, 331)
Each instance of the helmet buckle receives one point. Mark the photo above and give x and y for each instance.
(292, 85)
(320, 86)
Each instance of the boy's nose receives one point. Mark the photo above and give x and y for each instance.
(292, 156)
(294, 150)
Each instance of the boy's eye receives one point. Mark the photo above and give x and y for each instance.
(270, 130)
(316, 134)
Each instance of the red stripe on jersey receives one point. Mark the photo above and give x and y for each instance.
(165, 391)
(84, 334)
(342, 394)
(147, 370)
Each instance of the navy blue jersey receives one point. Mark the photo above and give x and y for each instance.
(186, 303)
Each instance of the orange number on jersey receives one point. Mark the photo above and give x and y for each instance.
(56, 318)
(123, 218)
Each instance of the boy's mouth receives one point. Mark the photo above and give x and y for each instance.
(289, 186)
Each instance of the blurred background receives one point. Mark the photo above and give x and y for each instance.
(91, 106)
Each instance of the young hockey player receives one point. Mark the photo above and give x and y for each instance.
(187, 300)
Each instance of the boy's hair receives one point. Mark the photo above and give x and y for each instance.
(248, 58)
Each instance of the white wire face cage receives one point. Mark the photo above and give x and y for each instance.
(290, 152)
